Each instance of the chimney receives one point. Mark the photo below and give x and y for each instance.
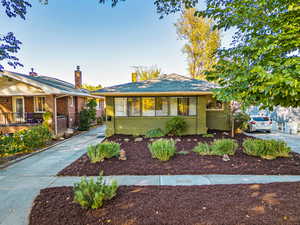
(78, 78)
(134, 77)
(32, 73)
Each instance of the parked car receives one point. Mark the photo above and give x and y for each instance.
(260, 123)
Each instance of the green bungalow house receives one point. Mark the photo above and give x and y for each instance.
(134, 108)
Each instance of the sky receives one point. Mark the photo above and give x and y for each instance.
(105, 42)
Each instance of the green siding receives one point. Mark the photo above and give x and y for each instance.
(140, 125)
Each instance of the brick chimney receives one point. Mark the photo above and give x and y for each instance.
(78, 78)
(32, 73)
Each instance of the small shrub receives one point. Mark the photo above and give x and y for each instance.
(224, 147)
(91, 194)
(241, 120)
(154, 133)
(162, 149)
(175, 126)
(105, 150)
(37, 136)
(84, 120)
(266, 149)
(202, 149)
(208, 135)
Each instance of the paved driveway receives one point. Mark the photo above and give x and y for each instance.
(292, 140)
(21, 182)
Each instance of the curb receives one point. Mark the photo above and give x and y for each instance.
(39, 151)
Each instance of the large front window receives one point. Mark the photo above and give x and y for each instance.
(134, 106)
(156, 106)
(40, 104)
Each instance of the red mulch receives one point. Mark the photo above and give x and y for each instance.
(140, 162)
(247, 204)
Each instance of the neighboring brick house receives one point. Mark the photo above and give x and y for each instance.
(25, 98)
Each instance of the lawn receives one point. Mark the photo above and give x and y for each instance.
(246, 204)
(140, 162)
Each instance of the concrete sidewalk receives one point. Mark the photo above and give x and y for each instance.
(20, 183)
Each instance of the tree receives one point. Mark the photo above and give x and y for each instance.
(146, 73)
(202, 42)
(91, 87)
(263, 64)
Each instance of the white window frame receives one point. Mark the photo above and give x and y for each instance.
(35, 104)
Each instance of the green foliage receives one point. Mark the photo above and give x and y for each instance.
(266, 149)
(162, 149)
(262, 65)
(145, 73)
(202, 149)
(224, 146)
(201, 42)
(175, 126)
(241, 120)
(91, 87)
(92, 195)
(47, 119)
(25, 140)
(105, 150)
(207, 135)
(218, 147)
(87, 116)
(154, 133)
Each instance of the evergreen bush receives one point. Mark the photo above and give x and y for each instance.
(92, 195)
(175, 126)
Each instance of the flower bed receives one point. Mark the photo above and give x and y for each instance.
(140, 162)
(247, 204)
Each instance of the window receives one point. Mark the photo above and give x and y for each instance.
(71, 101)
(148, 105)
(183, 106)
(40, 104)
(192, 106)
(173, 106)
(134, 106)
(162, 106)
(121, 106)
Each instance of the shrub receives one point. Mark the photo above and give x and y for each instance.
(87, 116)
(105, 150)
(47, 119)
(224, 147)
(25, 140)
(202, 149)
(266, 149)
(241, 120)
(162, 149)
(208, 135)
(175, 126)
(91, 194)
(154, 133)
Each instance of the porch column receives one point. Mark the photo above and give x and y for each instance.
(201, 115)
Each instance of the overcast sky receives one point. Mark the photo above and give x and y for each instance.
(106, 42)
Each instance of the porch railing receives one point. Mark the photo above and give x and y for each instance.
(20, 118)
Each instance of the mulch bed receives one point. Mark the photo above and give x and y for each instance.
(250, 204)
(140, 162)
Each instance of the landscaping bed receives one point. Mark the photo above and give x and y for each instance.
(140, 162)
(245, 204)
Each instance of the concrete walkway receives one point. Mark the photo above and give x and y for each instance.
(20, 183)
(291, 139)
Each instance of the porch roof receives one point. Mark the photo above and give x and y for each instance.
(172, 84)
(49, 85)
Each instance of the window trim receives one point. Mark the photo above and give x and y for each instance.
(35, 104)
(155, 97)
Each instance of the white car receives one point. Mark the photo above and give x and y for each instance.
(260, 123)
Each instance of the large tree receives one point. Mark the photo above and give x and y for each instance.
(262, 66)
(201, 44)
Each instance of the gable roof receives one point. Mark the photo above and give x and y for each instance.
(49, 85)
(171, 84)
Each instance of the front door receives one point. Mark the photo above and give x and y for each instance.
(18, 105)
